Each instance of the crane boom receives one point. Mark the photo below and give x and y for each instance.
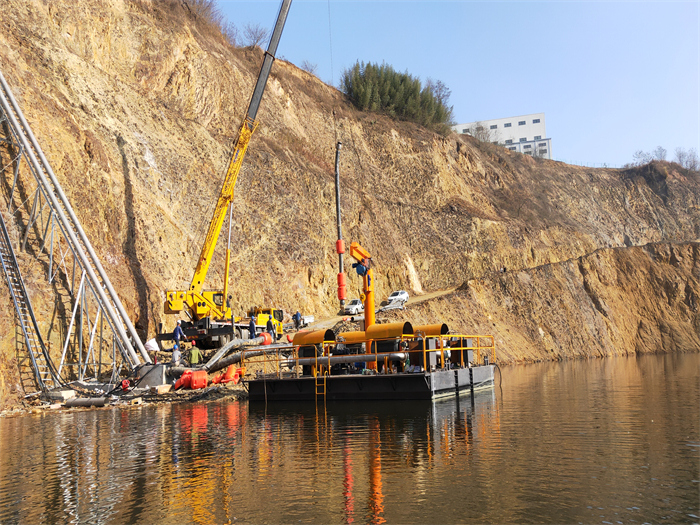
(213, 304)
(245, 132)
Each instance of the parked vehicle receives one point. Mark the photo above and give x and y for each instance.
(398, 297)
(354, 307)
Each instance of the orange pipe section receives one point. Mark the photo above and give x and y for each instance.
(368, 284)
(313, 338)
(432, 329)
(389, 330)
(351, 338)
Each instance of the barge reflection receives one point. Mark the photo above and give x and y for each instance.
(377, 436)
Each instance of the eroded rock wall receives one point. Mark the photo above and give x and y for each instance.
(614, 301)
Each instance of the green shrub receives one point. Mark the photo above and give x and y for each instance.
(381, 89)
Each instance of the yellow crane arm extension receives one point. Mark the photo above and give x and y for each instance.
(358, 253)
(225, 198)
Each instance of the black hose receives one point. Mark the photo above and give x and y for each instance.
(500, 375)
(135, 383)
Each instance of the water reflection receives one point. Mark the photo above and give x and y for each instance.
(606, 440)
(365, 445)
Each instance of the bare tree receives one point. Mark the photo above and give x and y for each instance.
(309, 67)
(440, 90)
(641, 157)
(687, 159)
(482, 132)
(659, 153)
(255, 35)
(206, 9)
(692, 162)
(681, 156)
(231, 33)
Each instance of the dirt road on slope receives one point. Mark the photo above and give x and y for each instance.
(329, 322)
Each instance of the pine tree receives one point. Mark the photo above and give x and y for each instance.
(376, 88)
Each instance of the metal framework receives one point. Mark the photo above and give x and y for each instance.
(88, 332)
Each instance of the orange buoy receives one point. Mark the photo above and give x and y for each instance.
(185, 380)
(267, 338)
(232, 375)
(198, 379)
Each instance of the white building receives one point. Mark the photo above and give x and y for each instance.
(524, 134)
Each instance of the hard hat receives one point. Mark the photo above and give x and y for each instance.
(178, 321)
(193, 343)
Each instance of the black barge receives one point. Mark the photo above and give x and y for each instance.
(386, 362)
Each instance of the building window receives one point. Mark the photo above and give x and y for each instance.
(521, 123)
(536, 121)
(465, 130)
(494, 126)
(527, 146)
(543, 151)
(513, 148)
(538, 137)
(506, 125)
(523, 139)
(543, 144)
(509, 141)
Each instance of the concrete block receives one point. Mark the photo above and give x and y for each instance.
(161, 389)
(152, 375)
(61, 395)
(136, 401)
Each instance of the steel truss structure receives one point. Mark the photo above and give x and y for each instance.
(88, 336)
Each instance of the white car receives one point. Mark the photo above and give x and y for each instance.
(354, 307)
(398, 297)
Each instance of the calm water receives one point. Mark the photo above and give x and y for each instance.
(604, 441)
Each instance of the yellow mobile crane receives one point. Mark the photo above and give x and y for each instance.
(211, 319)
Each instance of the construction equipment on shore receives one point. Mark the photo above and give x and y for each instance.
(211, 319)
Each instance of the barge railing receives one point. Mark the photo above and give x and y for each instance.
(451, 350)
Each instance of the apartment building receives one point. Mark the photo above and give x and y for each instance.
(524, 134)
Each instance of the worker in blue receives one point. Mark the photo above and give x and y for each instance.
(178, 334)
(251, 328)
(361, 267)
(297, 320)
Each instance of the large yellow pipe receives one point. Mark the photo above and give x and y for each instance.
(369, 298)
(431, 329)
(313, 338)
(388, 331)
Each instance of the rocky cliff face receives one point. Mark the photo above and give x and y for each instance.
(136, 104)
(614, 301)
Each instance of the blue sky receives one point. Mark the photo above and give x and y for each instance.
(611, 77)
